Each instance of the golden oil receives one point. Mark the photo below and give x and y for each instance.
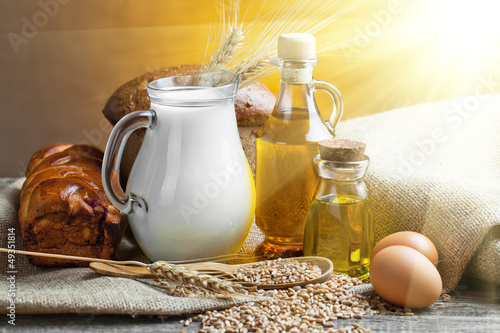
(339, 227)
(286, 177)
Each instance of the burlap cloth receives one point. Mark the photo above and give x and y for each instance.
(435, 168)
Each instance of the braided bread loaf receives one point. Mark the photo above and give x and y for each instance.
(64, 209)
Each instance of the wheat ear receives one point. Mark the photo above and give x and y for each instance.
(227, 50)
(174, 273)
(252, 53)
(254, 69)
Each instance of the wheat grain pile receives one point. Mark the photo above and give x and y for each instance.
(313, 308)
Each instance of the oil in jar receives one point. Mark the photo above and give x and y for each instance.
(337, 227)
(339, 222)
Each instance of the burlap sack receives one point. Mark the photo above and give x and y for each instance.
(80, 290)
(435, 169)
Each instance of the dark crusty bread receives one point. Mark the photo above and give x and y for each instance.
(253, 106)
(133, 96)
(64, 209)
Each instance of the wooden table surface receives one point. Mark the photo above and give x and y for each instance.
(474, 307)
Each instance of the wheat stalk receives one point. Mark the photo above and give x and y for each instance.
(254, 66)
(231, 44)
(182, 275)
(227, 50)
(249, 53)
(164, 270)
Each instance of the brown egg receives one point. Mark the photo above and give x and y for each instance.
(411, 239)
(405, 277)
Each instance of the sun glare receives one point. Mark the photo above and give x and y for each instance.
(468, 30)
(455, 44)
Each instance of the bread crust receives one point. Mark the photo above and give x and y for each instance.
(133, 96)
(253, 104)
(44, 152)
(64, 209)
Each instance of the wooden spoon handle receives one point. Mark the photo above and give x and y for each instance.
(122, 271)
(63, 256)
(211, 266)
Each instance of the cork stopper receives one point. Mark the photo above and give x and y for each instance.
(296, 46)
(342, 150)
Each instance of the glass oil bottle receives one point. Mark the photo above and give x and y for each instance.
(285, 145)
(339, 223)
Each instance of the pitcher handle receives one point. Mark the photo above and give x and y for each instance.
(113, 155)
(338, 104)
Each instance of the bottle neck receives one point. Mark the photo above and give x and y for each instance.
(296, 84)
(343, 179)
(294, 96)
(295, 71)
(296, 76)
(295, 109)
(342, 171)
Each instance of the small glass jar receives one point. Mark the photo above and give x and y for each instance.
(339, 222)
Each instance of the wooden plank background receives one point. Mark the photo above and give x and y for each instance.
(61, 59)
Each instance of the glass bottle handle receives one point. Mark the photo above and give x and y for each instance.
(113, 154)
(338, 104)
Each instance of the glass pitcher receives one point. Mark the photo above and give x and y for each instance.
(190, 193)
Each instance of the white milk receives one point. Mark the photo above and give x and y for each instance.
(192, 173)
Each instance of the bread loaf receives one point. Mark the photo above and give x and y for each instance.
(64, 209)
(253, 106)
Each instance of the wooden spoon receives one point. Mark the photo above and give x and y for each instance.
(139, 269)
(224, 271)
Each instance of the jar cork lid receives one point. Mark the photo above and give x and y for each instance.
(340, 150)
